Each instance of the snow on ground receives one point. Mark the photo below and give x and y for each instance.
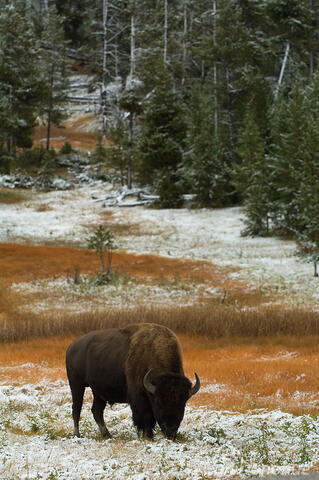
(35, 419)
(70, 297)
(36, 441)
(60, 217)
(213, 235)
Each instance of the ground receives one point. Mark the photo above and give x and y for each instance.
(257, 410)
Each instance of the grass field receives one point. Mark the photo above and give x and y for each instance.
(254, 347)
(248, 355)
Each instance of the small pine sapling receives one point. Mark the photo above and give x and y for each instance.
(102, 241)
(99, 154)
(308, 251)
(47, 169)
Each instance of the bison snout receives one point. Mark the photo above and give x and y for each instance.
(170, 433)
(172, 436)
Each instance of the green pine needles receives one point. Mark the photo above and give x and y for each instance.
(278, 175)
(102, 241)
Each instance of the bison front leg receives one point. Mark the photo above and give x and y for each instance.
(97, 410)
(143, 417)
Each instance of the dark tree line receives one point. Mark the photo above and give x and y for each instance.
(213, 97)
(33, 75)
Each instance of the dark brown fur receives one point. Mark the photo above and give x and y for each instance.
(113, 363)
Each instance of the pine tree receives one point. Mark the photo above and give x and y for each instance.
(252, 179)
(307, 195)
(75, 17)
(289, 147)
(292, 24)
(307, 199)
(130, 101)
(53, 72)
(20, 85)
(234, 62)
(205, 168)
(163, 130)
(102, 241)
(119, 151)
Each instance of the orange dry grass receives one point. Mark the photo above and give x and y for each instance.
(70, 132)
(266, 374)
(281, 372)
(20, 263)
(34, 359)
(59, 136)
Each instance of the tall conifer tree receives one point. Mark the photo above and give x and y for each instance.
(54, 71)
(20, 85)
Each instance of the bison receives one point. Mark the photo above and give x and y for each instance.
(141, 365)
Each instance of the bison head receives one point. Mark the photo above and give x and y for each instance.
(168, 394)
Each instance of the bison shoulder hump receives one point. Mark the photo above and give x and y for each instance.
(153, 346)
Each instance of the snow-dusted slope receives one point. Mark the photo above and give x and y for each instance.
(213, 235)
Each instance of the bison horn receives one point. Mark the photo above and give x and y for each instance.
(196, 387)
(147, 382)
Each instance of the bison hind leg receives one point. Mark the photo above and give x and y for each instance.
(77, 391)
(97, 410)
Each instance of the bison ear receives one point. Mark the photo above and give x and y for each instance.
(196, 387)
(147, 382)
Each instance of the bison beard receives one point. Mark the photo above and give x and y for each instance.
(140, 365)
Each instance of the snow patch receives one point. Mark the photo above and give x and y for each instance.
(36, 441)
(212, 235)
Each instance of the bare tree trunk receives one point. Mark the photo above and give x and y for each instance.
(311, 64)
(50, 108)
(230, 114)
(185, 41)
(282, 71)
(13, 145)
(109, 262)
(104, 74)
(132, 63)
(315, 269)
(132, 114)
(216, 120)
(311, 60)
(130, 159)
(202, 69)
(43, 7)
(116, 58)
(165, 30)
(102, 262)
(48, 131)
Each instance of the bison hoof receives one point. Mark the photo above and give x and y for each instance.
(104, 432)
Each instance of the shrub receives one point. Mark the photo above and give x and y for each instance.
(170, 194)
(66, 149)
(35, 157)
(5, 161)
(46, 170)
(102, 240)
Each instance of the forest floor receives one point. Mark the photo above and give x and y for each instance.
(75, 131)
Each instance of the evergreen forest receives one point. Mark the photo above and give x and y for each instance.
(217, 98)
